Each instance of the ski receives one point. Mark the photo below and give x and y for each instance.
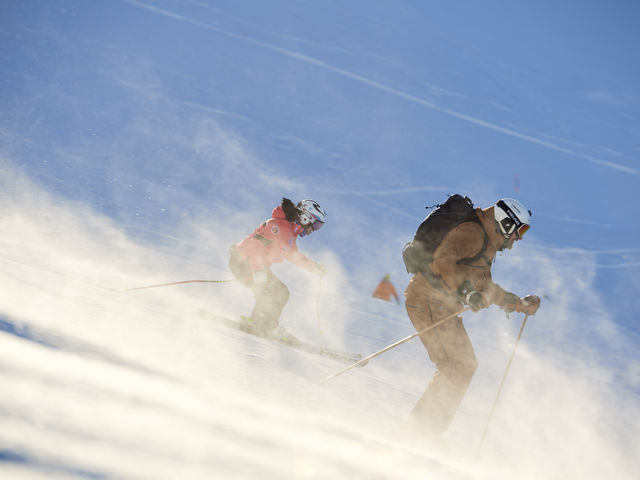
(345, 357)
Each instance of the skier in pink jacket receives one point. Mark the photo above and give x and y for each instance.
(272, 242)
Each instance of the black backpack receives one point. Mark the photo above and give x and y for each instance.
(417, 254)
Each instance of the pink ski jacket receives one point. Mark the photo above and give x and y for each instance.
(272, 242)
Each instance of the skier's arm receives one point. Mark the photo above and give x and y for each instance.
(490, 290)
(464, 241)
(301, 260)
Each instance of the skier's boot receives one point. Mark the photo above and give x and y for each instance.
(247, 324)
(283, 336)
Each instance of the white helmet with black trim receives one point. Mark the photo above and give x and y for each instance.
(311, 216)
(512, 216)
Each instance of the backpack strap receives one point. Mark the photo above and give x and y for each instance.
(264, 241)
(469, 261)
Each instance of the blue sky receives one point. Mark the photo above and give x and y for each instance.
(376, 110)
(140, 138)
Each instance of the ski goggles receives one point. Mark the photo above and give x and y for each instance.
(311, 227)
(508, 226)
(315, 226)
(522, 229)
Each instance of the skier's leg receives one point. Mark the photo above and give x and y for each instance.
(449, 348)
(271, 297)
(453, 355)
(240, 267)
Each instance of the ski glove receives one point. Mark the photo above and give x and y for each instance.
(260, 277)
(510, 302)
(530, 305)
(476, 301)
(319, 269)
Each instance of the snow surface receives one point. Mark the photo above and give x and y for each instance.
(99, 382)
(139, 139)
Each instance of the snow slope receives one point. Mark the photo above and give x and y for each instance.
(99, 382)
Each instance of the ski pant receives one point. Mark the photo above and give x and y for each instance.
(449, 348)
(270, 296)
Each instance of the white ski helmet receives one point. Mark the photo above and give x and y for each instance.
(512, 216)
(310, 215)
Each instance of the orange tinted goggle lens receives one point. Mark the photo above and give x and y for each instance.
(523, 229)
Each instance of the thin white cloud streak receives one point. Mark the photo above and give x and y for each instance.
(393, 91)
(594, 264)
(579, 256)
(215, 111)
(575, 220)
(396, 191)
(385, 206)
(582, 251)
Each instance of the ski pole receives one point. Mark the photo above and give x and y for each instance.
(178, 283)
(318, 303)
(393, 345)
(504, 377)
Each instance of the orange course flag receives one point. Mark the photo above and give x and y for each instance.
(385, 289)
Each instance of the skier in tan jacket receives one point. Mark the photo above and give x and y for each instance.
(458, 274)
